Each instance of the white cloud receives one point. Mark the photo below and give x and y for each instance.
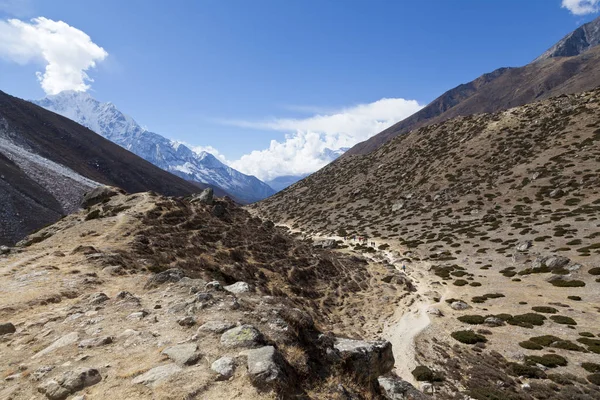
(581, 7)
(303, 150)
(66, 51)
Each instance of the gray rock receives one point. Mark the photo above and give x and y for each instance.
(266, 366)
(98, 195)
(183, 354)
(238, 287)
(574, 267)
(427, 388)
(138, 315)
(556, 193)
(394, 388)
(216, 326)
(4, 250)
(205, 197)
(325, 244)
(459, 305)
(187, 321)
(555, 262)
(170, 275)
(98, 298)
(203, 296)
(96, 342)
(69, 383)
(66, 340)
(6, 328)
(524, 246)
(367, 360)
(436, 312)
(224, 367)
(242, 336)
(214, 285)
(493, 322)
(157, 375)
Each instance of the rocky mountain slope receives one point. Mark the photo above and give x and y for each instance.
(496, 218)
(571, 66)
(143, 296)
(106, 120)
(47, 162)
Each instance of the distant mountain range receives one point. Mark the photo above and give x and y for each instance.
(570, 66)
(108, 121)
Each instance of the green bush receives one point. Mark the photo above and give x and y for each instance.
(475, 284)
(92, 215)
(545, 340)
(589, 342)
(529, 345)
(424, 374)
(561, 379)
(527, 320)
(468, 337)
(526, 371)
(460, 282)
(561, 319)
(594, 378)
(574, 298)
(472, 319)
(546, 310)
(591, 367)
(594, 271)
(567, 345)
(586, 334)
(564, 283)
(547, 360)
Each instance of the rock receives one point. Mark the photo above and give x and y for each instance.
(574, 267)
(96, 342)
(397, 206)
(556, 193)
(66, 340)
(224, 367)
(156, 375)
(367, 360)
(98, 195)
(266, 366)
(6, 328)
(242, 336)
(325, 244)
(183, 354)
(218, 211)
(98, 298)
(427, 388)
(205, 197)
(556, 262)
(435, 312)
(187, 321)
(170, 275)
(214, 285)
(203, 296)
(138, 315)
(459, 305)
(41, 372)
(525, 386)
(524, 246)
(216, 326)
(69, 383)
(493, 322)
(238, 287)
(394, 388)
(4, 250)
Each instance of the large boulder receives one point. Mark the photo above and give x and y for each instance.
(524, 246)
(242, 336)
(216, 326)
(394, 388)
(266, 367)
(325, 244)
(238, 287)
(459, 305)
(98, 195)
(69, 383)
(367, 360)
(205, 197)
(224, 367)
(156, 375)
(170, 275)
(183, 354)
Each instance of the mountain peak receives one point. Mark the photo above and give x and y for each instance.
(575, 43)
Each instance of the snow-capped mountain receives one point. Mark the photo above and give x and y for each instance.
(106, 120)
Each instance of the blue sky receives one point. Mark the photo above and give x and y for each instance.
(237, 74)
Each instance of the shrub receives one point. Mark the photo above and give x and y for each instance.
(475, 284)
(529, 345)
(545, 340)
(567, 345)
(589, 342)
(547, 360)
(526, 370)
(574, 298)
(594, 271)
(422, 373)
(591, 367)
(564, 283)
(546, 310)
(561, 319)
(594, 378)
(561, 379)
(92, 215)
(460, 282)
(586, 334)
(468, 337)
(472, 319)
(527, 320)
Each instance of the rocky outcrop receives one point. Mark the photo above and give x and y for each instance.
(170, 275)
(157, 375)
(69, 383)
(183, 354)
(206, 197)
(242, 336)
(394, 388)
(99, 195)
(367, 360)
(266, 367)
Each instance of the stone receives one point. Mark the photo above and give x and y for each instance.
(7, 327)
(218, 211)
(325, 244)
(183, 354)
(98, 195)
(216, 326)
(224, 367)
(203, 296)
(171, 275)
(69, 383)
(436, 312)
(95, 342)
(98, 298)
(427, 388)
(524, 246)
(394, 388)
(367, 360)
(138, 315)
(238, 287)
(187, 321)
(4, 250)
(493, 322)
(556, 193)
(459, 305)
(157, 375)
(242, 336)
(574, 267)
(205, 197)
(265, 366)
(214, 285)
(556, 262)
(66, 340)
